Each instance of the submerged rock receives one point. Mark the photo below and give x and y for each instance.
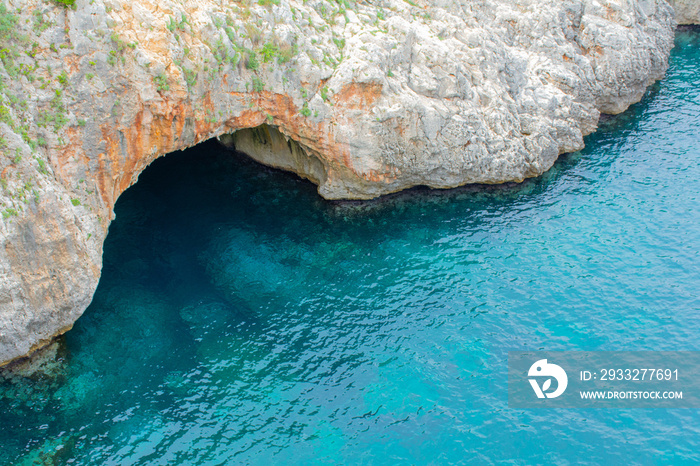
(362, 99)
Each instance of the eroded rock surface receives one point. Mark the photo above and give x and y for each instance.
(687, 11)
(363, 99)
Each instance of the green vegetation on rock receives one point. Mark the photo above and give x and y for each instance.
(161, 82)
(66, 3)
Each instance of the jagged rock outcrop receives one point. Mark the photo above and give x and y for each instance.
(361, 98)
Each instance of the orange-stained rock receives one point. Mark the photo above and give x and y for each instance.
(363, 101)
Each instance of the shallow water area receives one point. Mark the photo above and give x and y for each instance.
(242, 319)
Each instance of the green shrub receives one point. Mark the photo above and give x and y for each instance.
(252, 63)
(58, 118)
(161, 82)
(40, 23)
(63, 78)
(190, 76)
(42, 166)
(268, 51)
(230, 34)
(258, 84)
(9, 213)
(340, 43)
(5, 116)
(121, 45)
(174, 24)
(8, 24)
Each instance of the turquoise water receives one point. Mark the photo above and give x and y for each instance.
(242, 319)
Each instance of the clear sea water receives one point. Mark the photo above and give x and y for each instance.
(243, 319)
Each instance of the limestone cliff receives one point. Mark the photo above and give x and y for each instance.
(687, 11)
(361, 98)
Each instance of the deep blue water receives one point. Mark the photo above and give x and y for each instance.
(242, 319)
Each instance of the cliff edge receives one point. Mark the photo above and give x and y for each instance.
(361, 98)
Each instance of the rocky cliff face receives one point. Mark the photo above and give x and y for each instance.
(363, 99)
(687, 11)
